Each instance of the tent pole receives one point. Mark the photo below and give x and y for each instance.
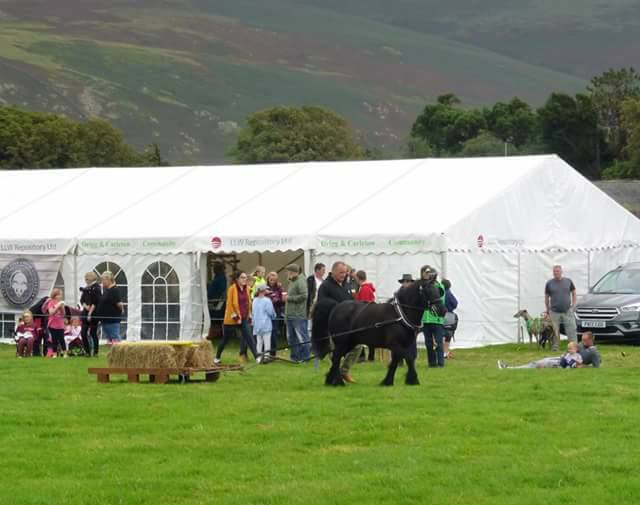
(445, 264)
(309, 258)
(201, 269)
(75, 272)
(520, 332)
(588, 269)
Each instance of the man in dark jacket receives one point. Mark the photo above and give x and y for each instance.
(89, 300)
(332, 292)
(313, 284)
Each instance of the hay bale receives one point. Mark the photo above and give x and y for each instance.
(182, 355)
(142, 356)
(200, 356)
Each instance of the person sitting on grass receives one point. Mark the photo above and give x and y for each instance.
(588, 351)
(571, 359)
(26, 333)
(263, 315)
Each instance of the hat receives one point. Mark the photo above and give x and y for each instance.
(261, 288)
(406, 278)
(293, 268)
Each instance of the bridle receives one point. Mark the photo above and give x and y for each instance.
(402, 318)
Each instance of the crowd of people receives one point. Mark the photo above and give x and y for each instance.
(52, 328)
(258, 310)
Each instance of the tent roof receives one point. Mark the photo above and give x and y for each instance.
(375, 206)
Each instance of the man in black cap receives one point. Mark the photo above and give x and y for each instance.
(406, 280)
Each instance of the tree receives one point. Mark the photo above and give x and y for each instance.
(485, 144)
(294, 134)
(630, 121)
(609, 92)
(416, 148)
(104, 146)
(445, 128)
(570, 129)
(37, 140)
(513, 122)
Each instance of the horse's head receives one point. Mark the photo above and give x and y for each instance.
(421, 294)
(524, 314)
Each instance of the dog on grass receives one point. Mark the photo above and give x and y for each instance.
(538, 328)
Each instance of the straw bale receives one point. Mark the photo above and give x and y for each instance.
(142, 356)
(200, 356)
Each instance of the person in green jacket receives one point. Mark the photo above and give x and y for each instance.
(259, 279)
(432, 323)
(296, 315)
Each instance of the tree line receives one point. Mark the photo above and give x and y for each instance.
(597, 132)
(41, 140)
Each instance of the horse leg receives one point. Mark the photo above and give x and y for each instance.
(391, 371)
(334, 376)
(411, 378)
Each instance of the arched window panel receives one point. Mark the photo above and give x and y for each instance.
(120, 278)
(160, 297)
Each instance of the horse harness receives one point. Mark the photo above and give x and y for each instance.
(402, 318)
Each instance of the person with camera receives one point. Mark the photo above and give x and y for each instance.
(433, 322)
(89, 300)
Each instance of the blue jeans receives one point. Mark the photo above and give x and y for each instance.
(111, 331)
(434, 336)
(298, 338)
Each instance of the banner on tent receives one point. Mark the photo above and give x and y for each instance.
(26, 279)
(215, 243)
(374, 245)
(34, 247)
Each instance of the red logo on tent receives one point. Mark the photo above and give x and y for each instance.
(216, 243)
(480, 241)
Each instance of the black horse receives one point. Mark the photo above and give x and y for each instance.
(392, 325)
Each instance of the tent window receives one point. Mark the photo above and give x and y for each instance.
(123, 286)
(7, 324)
(160, 302)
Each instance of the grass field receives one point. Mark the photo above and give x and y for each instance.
(470, 434)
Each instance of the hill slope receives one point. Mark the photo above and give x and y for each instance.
(185, 73)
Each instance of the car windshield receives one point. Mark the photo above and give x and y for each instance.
(620, 282)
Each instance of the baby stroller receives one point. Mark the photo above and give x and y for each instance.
(73, 340)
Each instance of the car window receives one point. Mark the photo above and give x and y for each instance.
(619, 282)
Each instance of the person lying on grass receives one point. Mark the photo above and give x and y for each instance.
(571, 359)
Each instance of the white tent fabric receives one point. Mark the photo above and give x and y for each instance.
(402, 206)
(493, 225)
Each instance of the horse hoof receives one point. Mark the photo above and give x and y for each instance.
(386, 383)
(412, 383)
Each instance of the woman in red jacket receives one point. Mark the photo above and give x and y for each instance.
(366, 293)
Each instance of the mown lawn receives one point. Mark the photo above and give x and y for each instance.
(275, 434)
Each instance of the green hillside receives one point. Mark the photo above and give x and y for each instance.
(185, 73)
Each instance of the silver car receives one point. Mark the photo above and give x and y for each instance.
(611, 309)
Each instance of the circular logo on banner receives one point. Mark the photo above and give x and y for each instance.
(216, 243)
(19, 283)
(480, 241)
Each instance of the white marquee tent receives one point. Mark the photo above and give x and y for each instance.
(494, 226)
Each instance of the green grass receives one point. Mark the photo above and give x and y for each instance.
(470, 434)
